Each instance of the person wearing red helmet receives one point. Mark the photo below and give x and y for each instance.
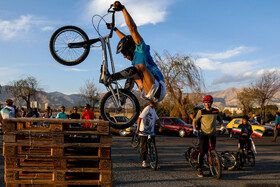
(207, 117)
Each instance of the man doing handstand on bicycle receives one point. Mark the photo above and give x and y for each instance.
(208, 117)
(144, 71)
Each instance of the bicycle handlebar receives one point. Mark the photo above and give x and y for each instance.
(113, 20)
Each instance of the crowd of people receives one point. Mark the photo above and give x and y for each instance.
(11, 111)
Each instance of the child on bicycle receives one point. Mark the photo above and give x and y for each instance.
(246, 132)
(143, 71)
(145, 126)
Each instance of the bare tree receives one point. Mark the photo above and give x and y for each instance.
(180, 74)
(265, 88)
(89, 92)
(246, 100)
(26, 89)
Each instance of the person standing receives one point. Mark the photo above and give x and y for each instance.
(145, 126)
(208, 117)
(87, 114)
(75, 115)
(61, 115)
(23, 113)
(47, 113)
(8, 111)
(277, 126)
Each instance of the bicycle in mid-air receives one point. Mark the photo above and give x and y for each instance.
(70, 45)
(211, 159)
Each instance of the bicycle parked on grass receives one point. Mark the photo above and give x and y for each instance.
(70, 45)
(211, 159)
(246, 152)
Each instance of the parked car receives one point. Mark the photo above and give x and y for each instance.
(266, 129)
(172, 124)
(123, 132)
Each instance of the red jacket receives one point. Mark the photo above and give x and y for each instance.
(88, 114)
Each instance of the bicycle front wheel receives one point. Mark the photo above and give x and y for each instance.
(135, 141)
(120, 118)
(251, 158)
(215, 165)
(240, 159)
(60, 49)
(153, 157)
(228, 160)
(193, 157)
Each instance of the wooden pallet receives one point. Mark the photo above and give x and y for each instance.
(54, 154)
(17, 125)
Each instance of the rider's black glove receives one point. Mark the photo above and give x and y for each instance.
(117, 6)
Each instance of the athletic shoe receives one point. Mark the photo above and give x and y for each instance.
(199, 173)
(144, 164)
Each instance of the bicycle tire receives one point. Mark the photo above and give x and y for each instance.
(193, 157)
(251, 158)
(152, 155)
(240, 159)
(135, 141)
(228, 160)
(107, 109)
(60, 50)
(215, 165)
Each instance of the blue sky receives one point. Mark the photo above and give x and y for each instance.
(233, 42)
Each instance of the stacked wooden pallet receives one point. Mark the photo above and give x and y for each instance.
(47, 152)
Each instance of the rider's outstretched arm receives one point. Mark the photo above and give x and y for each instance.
(132, 27)
(119, 33)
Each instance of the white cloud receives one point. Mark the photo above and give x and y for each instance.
(47, 28)
(227, 54)
(74, 69)
(18, 27)
(243, 77)
(143, 12)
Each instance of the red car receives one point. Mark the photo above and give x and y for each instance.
(172, 124)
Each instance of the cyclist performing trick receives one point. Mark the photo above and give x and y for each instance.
(208, 117)
(144, 71)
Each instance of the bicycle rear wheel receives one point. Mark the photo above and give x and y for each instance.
(120, 118)
(228, 160)
(251, 158)
(135, 141)
(193, 157)
(60, 49)
(152, 155)
(215, 165)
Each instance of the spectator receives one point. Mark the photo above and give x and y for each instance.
(61, 115)
(145, 126)
(48, 113)
(23, 113)
(30, 113)
(8, 111)
(87, 114)
(277, 126)
(75, 115)
(36, 113)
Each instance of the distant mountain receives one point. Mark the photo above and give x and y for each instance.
(224, 98)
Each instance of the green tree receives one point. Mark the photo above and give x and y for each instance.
(246, 100)
(180, 73)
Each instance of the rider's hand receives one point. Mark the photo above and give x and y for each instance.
(117, 6)
(195, 131)
(244, 134)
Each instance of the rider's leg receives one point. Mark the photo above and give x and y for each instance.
(146, 76)
(203, 142)
(143, 148)
(213, 141)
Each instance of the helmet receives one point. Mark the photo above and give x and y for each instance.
(125, 43)
(208, 98)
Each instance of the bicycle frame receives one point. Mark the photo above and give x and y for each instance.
(105, 45)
